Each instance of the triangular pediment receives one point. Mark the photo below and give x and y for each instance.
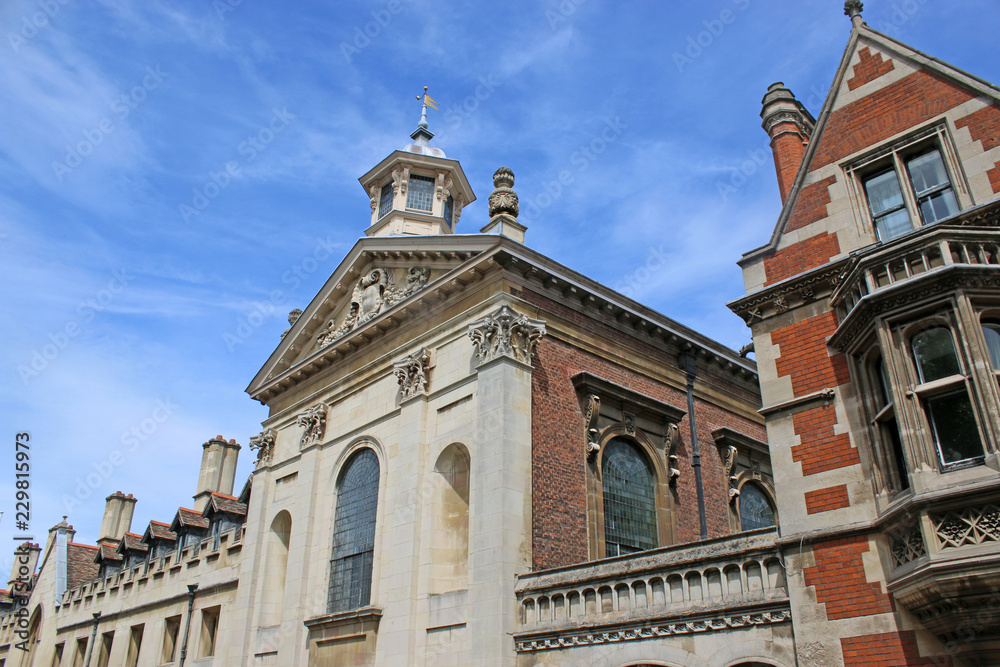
(892, 87)
(372, 290)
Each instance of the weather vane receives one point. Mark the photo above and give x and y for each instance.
(428, 100)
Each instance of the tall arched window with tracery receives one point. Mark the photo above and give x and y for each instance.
(629, 499)
(354, 533)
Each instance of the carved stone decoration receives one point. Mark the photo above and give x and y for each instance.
(373, 294)
(373, 193)
(412, 373)
(314, 421)
(293, 317)
(969, 526)
(755, 468)
(456, 210)
(629, 422)
(593, 412)
(853, 8)
(263, 444)
(730, 465)
(503, 199)
(506, 333)
(906, 544)
(671, 441)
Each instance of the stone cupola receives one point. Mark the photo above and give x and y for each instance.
(417, 190)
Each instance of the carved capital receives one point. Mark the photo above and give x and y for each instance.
(314, 421)
(412, 373)
(263, 444)
(506, 333)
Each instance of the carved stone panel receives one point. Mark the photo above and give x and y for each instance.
(505, 333)
(314, 421)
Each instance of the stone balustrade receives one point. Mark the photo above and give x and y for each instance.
(713, 585)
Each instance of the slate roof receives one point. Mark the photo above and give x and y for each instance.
(158, 530)
(218, 502)
(107, 550)
(187, 518)
(132, 542)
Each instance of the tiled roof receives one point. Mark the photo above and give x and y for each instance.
(132, 542)
(223, 503)
(188, 518)
(107, 551)
(80, 565)
(160, 531)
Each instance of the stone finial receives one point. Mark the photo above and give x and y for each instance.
(853, 8)
(294, 315)
(503, 199)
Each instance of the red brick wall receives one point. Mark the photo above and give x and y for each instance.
(994, 175)
(799, 257)
(821, 449)
(892, 649)
(788, 148)
(840, 582)
(811, 204)
(886, 112)
(870, 68)
(825, 500)
(559, 468)
(805, 357)
(984, 126)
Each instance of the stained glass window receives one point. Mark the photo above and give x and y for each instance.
(385, 200)
(420, 193)
(755, 509)
(354, 533)
(629, 499)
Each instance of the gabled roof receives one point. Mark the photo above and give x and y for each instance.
(80, 565)
(158, 530)
(187, 518)
(862, 36)
(132, 542)
(107, 550)
(219, 502)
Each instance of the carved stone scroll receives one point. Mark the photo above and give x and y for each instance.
(593, 412)
(671, 441)
(733, 479)
(412, 373)
(314, 421)
(263, 444)
(506, 333)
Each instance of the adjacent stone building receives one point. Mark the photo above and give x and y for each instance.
(476, 456)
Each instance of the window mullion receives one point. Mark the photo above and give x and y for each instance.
(909, 197)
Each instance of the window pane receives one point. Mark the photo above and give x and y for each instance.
(449, 208)
(883, 193)
(891, 225)
(420, 193)
(755, 509)
(879, 367)
(385, 200)
(629, 501)
(938, 206)
(934, 351)
(954, 427)
(927, 172)
(992, 334)
(890, 435)
(354, 533)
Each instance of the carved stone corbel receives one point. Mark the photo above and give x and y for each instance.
(671, 440)
(314, 421)
(629, 421)
(263, 444)
(505, 333)
(593, 412)
(412, 373)
(730, 464)
(373, 193)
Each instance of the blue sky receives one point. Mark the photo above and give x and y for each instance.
(124, 343)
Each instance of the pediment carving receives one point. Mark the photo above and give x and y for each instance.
(373, 294)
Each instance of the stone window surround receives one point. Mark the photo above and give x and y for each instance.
(748, 452)
(963, 315)
(645, 422)
(935, 135)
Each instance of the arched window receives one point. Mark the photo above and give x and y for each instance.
(354, 533)
(755, 508)
(629, 499)
(949, 410)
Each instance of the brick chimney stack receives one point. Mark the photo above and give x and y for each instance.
(117, 516)
(789, 125)
(218, 470)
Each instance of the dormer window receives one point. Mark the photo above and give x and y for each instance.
(385, 200)
(908, 186)
(420, 193)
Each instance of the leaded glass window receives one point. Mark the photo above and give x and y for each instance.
(420, 193)
(354, 533)
(385, 200)
(755, 508)
(629, 499)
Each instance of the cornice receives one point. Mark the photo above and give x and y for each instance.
(794, 292)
